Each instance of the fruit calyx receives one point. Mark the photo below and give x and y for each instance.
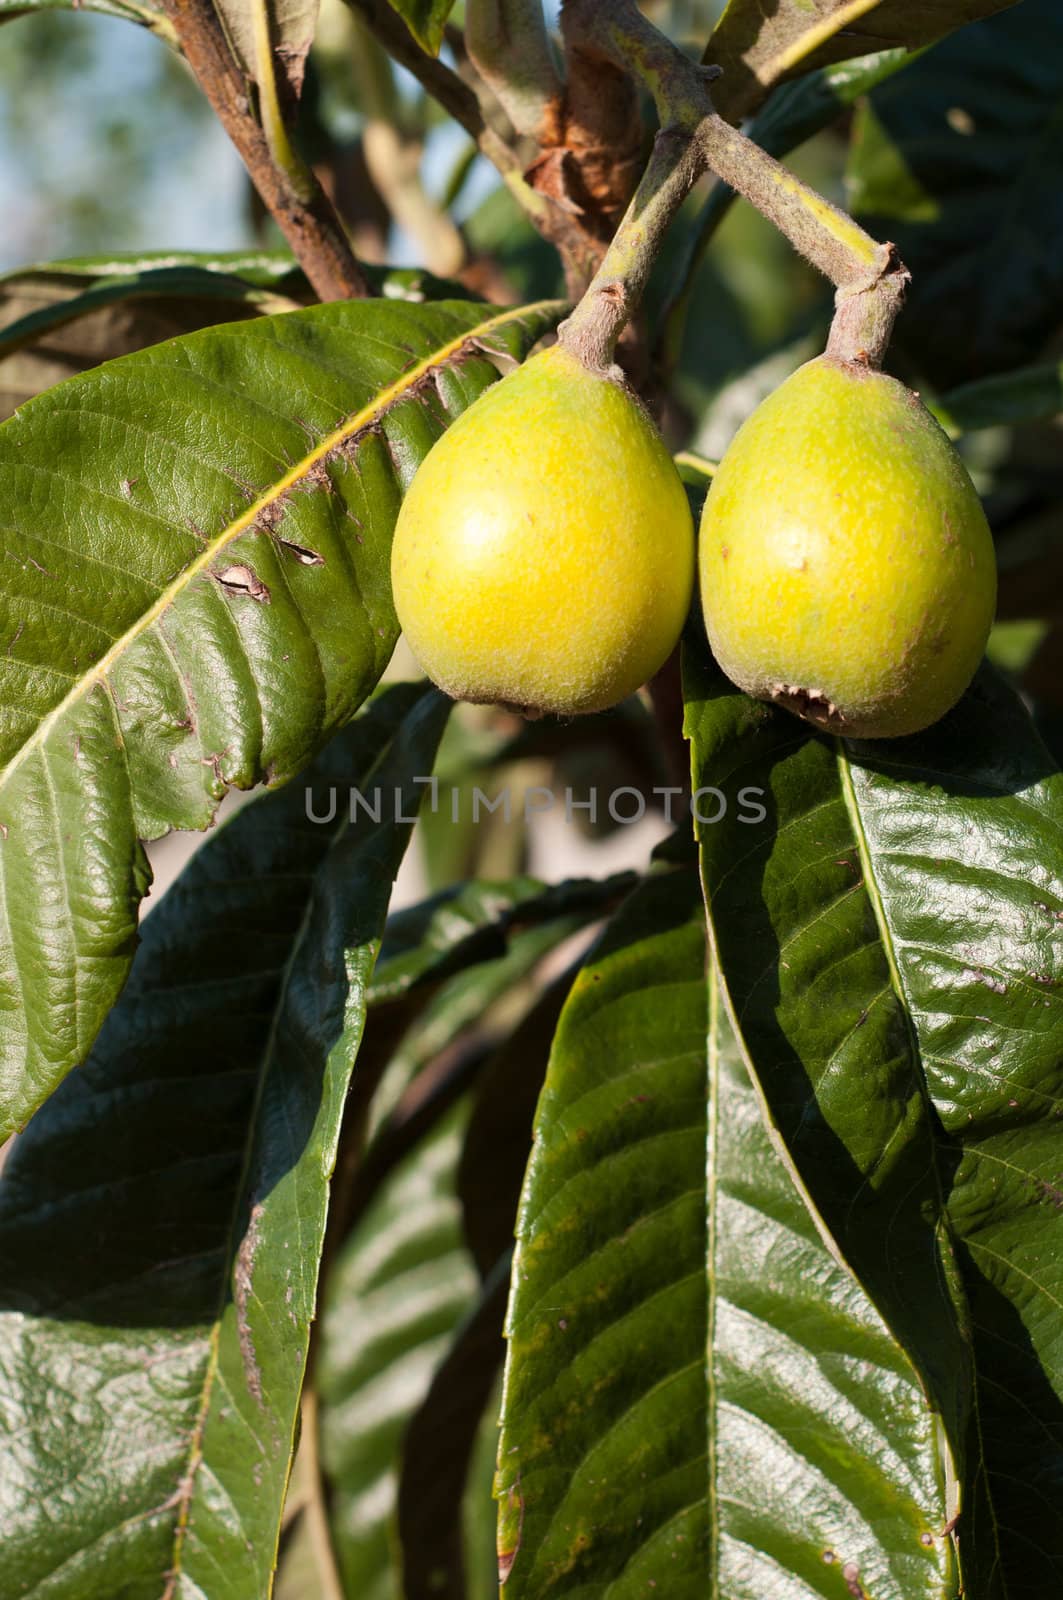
(811, 705)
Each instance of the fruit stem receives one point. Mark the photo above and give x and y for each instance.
(692, 140)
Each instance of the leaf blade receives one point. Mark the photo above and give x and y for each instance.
(757, 49)
(223, 1072)
(152, 663)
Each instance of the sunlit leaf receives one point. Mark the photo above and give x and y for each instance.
(197, 595)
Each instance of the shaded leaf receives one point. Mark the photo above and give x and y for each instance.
(1029, 394)
(197, 594)
(425, 19)
(479, 1512)
(282, 31)
(439, 1446)
(429, 1019)
(60, 319)
(150, 1382)
(473, 922)
(889, 941)
(499, 1136)
(398, 1290)
(757, 45)
(959, 162)
(803, 107)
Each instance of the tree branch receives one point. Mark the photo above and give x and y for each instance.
(693, 139)
(295, 199)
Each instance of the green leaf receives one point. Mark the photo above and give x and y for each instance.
(828, 1468)
(1029, 394)
(149, 1382)
(499, 1135)
(758, 46)
(699, 1396)
(602, 1475)
(430, 1019)
(197, 596)
(280, 30)
(439, 1447)
(959, 162)
(396, 1294)
(804, 106)
(472, 922)
(60, 319)
(888, 937)
(426, 20)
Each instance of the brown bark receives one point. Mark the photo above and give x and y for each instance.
(303, 212)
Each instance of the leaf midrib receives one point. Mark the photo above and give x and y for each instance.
(381, 403)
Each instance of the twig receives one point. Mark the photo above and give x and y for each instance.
(693, 139)
(292, 194)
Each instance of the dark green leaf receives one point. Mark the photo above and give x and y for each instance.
(499, 1135)
(60, 319)
(401, 1286)
(758, 46)
(960, 162)
(425, 19)
(963, 832)
(429, 1020)
(699, 1396)
(1030, 394)
(803, 107)
(473, 922)
(162, 1219)
(809, 1390)
(197, 595)
(439, 1446)
(888, 936)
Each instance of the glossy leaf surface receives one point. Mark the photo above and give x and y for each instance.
(889, 942)
(700, 1397)
(426, 20)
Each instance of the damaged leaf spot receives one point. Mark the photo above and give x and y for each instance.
(307, 558)
(510, 1530)
(242, 1274)
(241, 580)
(851, 1574)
